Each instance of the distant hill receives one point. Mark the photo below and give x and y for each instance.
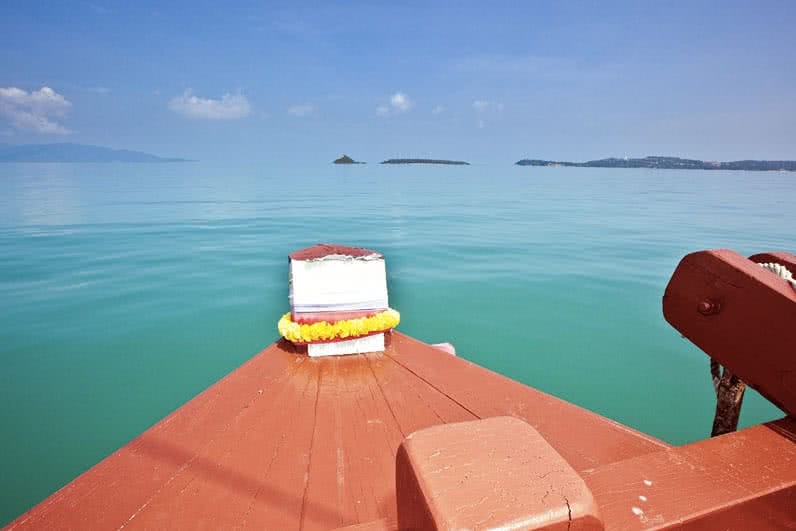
(670, 163)
(425, 161)
(66, 152)
(345, 159)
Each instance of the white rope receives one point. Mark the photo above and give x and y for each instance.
(781, 271)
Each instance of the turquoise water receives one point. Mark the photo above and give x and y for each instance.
(128, 289)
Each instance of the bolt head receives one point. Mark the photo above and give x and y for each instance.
(708, 307)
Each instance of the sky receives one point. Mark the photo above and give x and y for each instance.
(488, 82)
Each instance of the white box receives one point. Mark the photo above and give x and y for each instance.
(361, 345)
(338, 282)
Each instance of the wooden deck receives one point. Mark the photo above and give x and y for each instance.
(291, 442)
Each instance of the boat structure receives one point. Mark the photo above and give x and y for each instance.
(347, 423)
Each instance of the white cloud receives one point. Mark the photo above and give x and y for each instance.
(439, 109)
(487, 106)
(399, 102)
(303, 109)
(35, 110)
(229, 107)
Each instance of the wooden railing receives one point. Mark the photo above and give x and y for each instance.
(500, 473)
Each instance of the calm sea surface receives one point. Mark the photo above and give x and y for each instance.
(125, 290)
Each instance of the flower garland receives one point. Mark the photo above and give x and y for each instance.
(324, 331)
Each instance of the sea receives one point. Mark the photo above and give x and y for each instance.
(126, 289)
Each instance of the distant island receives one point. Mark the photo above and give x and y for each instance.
(67, 152)
(670, 163)
(425, 161)
(345, 159)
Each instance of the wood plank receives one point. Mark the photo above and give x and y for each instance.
(415, 404)
(278, 504)
(742, 480)
(370, 442)
(582, 437)
(288, 442)
(325, 498)
(382, 524)
(352, 472)
(241, 471)
(112, 491)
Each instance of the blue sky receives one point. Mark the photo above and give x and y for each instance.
(485, 81)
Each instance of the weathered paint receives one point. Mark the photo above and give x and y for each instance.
(325, 249)
(778, 257)
(751, 332)
(446, 347)
(742, 480)
(291, 442)
(496, 473)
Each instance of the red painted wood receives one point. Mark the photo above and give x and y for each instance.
(382, 524)
(245, 475)
(742, 316)
(414, 403)
(325, 249)
(370, 437)
(331, 317)
(490, 474)
(741, 480)
(779, 257)
(116, 489)
(582, 437)
(290, 442)
(445, 347)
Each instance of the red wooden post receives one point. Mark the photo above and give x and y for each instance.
(743, 317)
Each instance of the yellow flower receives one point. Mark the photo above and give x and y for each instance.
(325, 331)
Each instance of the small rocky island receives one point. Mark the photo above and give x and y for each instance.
(670, 163)
(345, 159)
(425, 161)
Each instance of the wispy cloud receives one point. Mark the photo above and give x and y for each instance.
(301, 110)
(401, 102)
(36, 110)
(99, 90)
(483, 106)
(439, 109)
(486, 108)
(532, 66)
(398, 103)
(228, 107)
